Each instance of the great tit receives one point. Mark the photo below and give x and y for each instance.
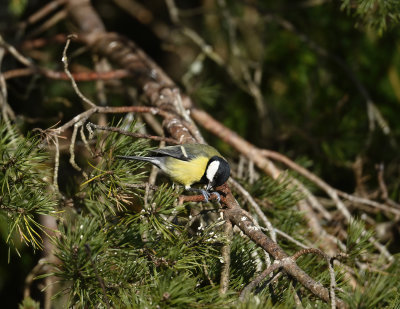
(190, 164)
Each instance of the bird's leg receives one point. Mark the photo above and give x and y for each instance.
(205, 193)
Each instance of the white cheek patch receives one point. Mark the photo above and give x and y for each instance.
(212, 170)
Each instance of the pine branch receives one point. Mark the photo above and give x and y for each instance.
(24, 193)
(153, 80)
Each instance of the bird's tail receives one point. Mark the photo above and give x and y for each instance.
(152, 160)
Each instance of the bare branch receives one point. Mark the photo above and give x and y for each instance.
(333, 193)
(43, 12)
(77, 76)
(255, 206)
(239, 218)
(276, 265)
(64, 59)
(133, 134)
(226, 258)
(72, 147)
(56, 163)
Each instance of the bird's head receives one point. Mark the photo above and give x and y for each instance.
(217, 172)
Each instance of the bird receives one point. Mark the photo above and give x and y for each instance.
(190, 164)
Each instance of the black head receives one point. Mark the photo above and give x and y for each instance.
(217, 172)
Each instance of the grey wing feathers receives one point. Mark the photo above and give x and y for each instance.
(186, 152)
(175, 152)
(155, 161)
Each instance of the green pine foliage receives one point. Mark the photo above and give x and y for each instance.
(278, 198)
(144, 248)
(146, 256)
(17, 7)
(378, 14)
(136, 244)
(357, 242)
(108, 178)
(379, 290)
(29, 303)
(207, 93)
(130, 246)
(127, 245)
(25, 191)
(246, 262)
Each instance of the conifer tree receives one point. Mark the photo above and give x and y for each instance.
(126, 236)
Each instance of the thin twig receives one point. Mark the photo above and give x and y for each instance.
(37, 43)
(141, 185)
(56, 163)
(43, 12)
(50, 222)
(38, 269)
(240, 168)
(85, 141)
(78, 76)
(133, 134)
(101, 65)
(290, 238)
(333, 193)
(332, 284)
(49, 23)
(64, 59)
(206, 272)
(383, 187)
(368, 202)
(137, 11)
(329, 261)
(3, 97)
(111, 110)
(196, 198)
(314, 178)
(17, 55)
(311, 199)
(381, 181)
(241, 78)
(226, 258)
(296, 295)
(276, 265)
(72, 147)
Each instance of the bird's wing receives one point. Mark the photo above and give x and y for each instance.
(187, 152)
(177, 152)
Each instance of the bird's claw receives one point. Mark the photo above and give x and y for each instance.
(217, 194)
(207, 195)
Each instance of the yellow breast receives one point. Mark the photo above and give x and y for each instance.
(187, 172)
